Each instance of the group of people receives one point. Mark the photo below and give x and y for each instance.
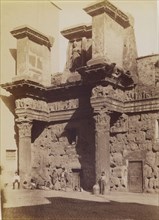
(58, 182)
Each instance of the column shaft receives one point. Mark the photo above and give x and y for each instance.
(102, 147)
(24, 149)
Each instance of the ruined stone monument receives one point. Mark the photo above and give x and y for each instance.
(104, 117)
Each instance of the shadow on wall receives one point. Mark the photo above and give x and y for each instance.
(9, 102)
(13, 52)
(67, 143)
(81, 136)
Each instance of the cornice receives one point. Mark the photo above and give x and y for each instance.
(32, 34)
(31, 115)
(111, 10)
(112, 105)
(127, 107)
(39, 91)
(147, 105)
(77, 32)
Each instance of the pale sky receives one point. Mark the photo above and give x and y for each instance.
(145, 16)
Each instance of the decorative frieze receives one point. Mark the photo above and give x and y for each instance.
(28, 103)
(107, 91)
(64, 105)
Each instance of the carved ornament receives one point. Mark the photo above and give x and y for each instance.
(102, 120)
(28, 103)
(100, 91)
(64, 105)
(24, 129)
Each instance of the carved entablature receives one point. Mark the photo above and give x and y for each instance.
(121, 125)
(100, 91)
(107, 91)
(24, 128)
(64, 105)
(99, 69)
(29, 103)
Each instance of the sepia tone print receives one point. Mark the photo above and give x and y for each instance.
(86, 136)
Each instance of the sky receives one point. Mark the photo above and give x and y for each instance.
(145, 17)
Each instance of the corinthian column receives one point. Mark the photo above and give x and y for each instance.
(102, 149)
(24, 148)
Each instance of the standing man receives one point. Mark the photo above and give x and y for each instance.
(102, 183)
(63, 179)
(16, 179)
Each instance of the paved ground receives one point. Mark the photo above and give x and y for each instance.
(53, 205)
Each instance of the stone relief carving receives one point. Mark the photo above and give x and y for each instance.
(100, 91)
(64, 105)
(76, 56)
(24, 129)
(108, 91)
(31, 104)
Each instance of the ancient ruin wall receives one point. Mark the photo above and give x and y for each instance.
(53, 148)
(136, 140)
(147, 70)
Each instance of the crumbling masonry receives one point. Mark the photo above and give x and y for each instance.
(100, 114)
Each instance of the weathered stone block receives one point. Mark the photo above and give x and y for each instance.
(157, 160)
(156, 147)
(131, 137)
(118, 159)
(118, 172)
(149, 135)
(122, 138)
(133, 146)
(151, 183)
(146, 184)
(115, 181)
(147, 171)
(148, 145)
(150, 159)
(118, 147)
(140, 137)
(156, 173)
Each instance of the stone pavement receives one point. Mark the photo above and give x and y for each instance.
(19, 198)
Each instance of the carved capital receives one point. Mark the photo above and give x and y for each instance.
(24, 128)
(102, 120)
